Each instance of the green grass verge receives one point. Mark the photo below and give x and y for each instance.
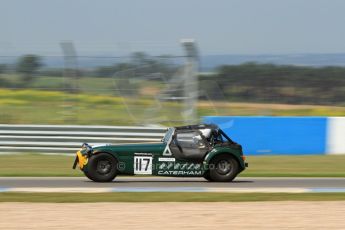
(37, 165)
(296, 166)
(108, 108)
(167, 197)
(259, 166)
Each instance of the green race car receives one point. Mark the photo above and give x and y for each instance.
(186, 151)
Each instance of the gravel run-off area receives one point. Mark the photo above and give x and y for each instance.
(203, 215)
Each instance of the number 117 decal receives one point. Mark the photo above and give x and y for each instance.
(143, 165)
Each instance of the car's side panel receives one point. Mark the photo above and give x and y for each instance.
(170, 166)
(150, 160)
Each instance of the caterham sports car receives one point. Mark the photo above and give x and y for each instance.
(186, 151)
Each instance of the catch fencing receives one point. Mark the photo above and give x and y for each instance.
(66, 139)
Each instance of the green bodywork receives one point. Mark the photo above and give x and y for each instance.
(162, 164)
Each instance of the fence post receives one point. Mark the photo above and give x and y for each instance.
(191, 87)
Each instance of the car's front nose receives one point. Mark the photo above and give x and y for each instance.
(83, 156)
(80, 159)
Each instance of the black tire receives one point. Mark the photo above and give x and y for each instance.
(223, 168)
(207, 176)
(101, 167)
(86, 173)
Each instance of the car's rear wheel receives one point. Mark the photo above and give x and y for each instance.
(207, 176)
(101, 167)
(223, 168)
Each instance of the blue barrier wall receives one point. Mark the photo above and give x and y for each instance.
(275, 135)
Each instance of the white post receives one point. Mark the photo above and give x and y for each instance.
(70, 78)
(191, 88)
(70, 63)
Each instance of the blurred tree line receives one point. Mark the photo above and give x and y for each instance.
(27, 66)
(249, 82)
(139, 64)
(267, 83)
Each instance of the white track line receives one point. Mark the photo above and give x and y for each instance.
(173, 189)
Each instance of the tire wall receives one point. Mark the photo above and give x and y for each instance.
(284, 135)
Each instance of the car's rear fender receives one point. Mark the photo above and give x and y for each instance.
(224, 150)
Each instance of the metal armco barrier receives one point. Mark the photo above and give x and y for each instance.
(66, 139)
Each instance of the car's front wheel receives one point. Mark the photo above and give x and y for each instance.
(101, 167)
(223, 168)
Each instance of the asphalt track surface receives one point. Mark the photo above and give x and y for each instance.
(171, 182)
